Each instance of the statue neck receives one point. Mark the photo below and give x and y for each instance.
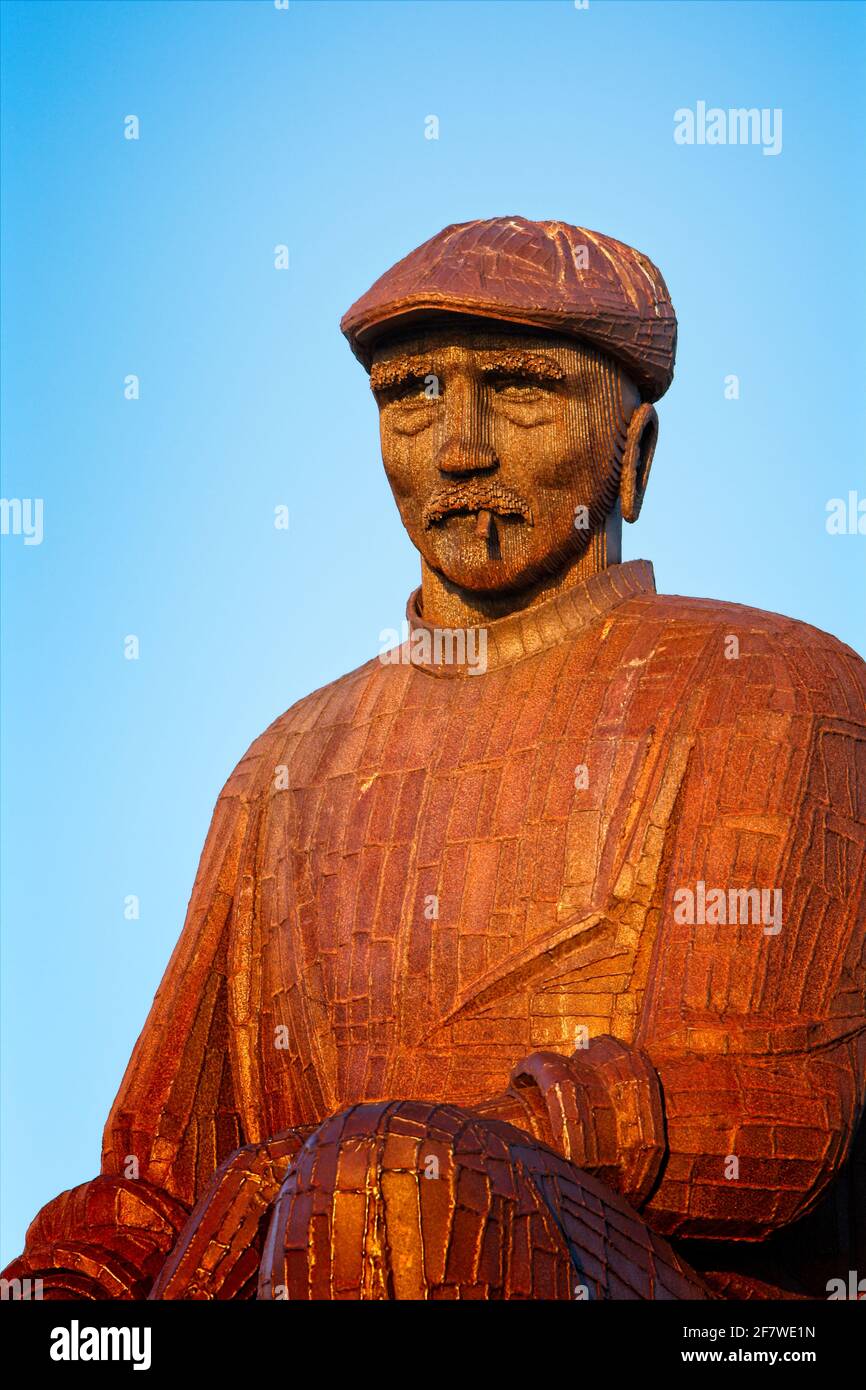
(445, 605)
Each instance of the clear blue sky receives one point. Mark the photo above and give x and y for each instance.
(155, 257)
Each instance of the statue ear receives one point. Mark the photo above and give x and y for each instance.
(640, 445)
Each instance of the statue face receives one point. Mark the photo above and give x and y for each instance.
(502, 448)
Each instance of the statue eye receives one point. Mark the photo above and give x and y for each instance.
(411, 391)
(414, 391)
(518, 388)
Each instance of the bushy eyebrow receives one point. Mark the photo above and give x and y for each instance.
(519, 363)
(398, 372)
(501, 362)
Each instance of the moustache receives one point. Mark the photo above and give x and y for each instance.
(478, 496)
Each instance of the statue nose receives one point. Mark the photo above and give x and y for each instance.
(466, 455)
(465, 446)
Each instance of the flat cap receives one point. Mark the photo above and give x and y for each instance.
(540, 274)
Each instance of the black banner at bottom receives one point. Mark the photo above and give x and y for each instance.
(63, 1339)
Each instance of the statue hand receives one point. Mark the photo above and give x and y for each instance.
(107, 1238)
(604, 1110)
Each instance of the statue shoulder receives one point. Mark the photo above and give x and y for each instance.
(774, 662)
(300, 734)
(776, 711)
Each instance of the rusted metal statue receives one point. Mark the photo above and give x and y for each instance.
(527, 960)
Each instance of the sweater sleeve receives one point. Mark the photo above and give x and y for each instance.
(175, 1117)
(755, 1020)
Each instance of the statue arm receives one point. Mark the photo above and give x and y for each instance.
(174, 1117)
(736, 1104)
(754, 1141)
(758, 1031)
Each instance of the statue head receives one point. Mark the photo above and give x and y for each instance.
(515, 365)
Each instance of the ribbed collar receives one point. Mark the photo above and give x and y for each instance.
(466, 652)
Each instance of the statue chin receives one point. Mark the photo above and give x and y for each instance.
(486, 579)
(469, 566)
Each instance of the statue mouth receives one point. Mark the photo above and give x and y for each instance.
(475, 497)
